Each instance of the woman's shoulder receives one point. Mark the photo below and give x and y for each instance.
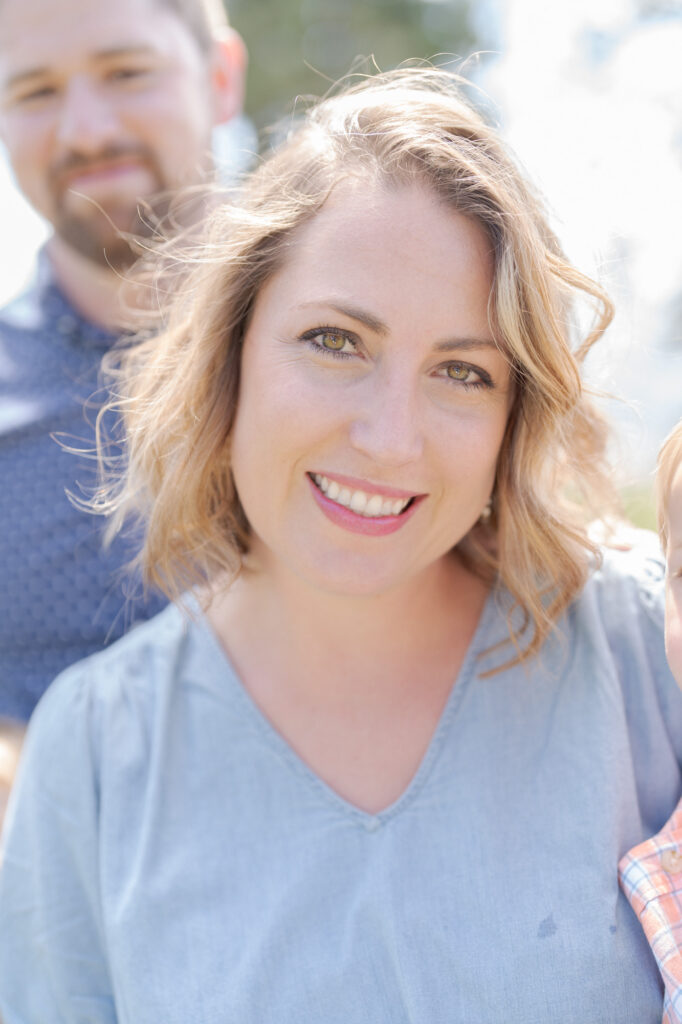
(131, 674)
(615, 628)
(620, 617)
(629, 581)
(105, 715)
(622, 606)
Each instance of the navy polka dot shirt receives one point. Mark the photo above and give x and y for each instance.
(62, 596)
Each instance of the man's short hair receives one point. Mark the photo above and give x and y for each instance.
(202, 17)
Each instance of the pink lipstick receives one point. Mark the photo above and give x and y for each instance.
(356, 522)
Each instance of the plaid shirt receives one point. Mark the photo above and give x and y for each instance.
(651, 878)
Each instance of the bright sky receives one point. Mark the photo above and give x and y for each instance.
(591, 99)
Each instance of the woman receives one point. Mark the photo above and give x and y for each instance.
(380, 761)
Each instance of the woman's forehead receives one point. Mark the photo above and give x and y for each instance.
(384, 228)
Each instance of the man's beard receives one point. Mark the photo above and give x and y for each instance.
(106, 235)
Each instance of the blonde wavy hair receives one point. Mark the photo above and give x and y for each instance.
(177, 392)
(669, 460)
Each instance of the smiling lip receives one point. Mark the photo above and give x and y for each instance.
(355, 484)
(354, 521)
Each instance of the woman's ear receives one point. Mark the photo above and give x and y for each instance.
(228, 74)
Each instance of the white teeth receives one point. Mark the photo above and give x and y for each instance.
(374, 505)
(371, 505)
(358, 501)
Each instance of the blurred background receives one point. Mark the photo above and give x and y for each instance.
(589, 95)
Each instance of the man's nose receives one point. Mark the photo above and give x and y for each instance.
(387, 426)
(87, 119)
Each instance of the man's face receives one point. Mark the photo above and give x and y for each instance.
(104, 104)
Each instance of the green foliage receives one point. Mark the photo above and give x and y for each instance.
(300, 47)
(639, 505)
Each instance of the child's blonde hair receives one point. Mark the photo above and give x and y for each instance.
(669, 458)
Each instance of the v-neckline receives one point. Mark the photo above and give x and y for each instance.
(371, 821)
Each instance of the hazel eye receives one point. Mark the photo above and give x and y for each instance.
(336, 342)
(457, 371)
(466, 376)
(333, 342)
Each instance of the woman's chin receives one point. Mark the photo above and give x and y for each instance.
(357, 577)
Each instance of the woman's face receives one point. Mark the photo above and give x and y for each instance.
(373, 398)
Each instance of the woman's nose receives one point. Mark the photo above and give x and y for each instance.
(387, 426)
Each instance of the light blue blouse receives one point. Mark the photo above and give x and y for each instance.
(170, 860)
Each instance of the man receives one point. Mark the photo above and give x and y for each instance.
(104, 107)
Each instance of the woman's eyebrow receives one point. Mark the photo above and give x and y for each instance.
(457, 344)
(354, 312)
(379, 327)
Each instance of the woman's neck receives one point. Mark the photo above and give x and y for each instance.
(355, 685)
(273, 623)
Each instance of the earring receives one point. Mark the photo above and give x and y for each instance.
(487, 511)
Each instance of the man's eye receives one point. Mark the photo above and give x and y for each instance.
(42, 92)
(127, 74)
